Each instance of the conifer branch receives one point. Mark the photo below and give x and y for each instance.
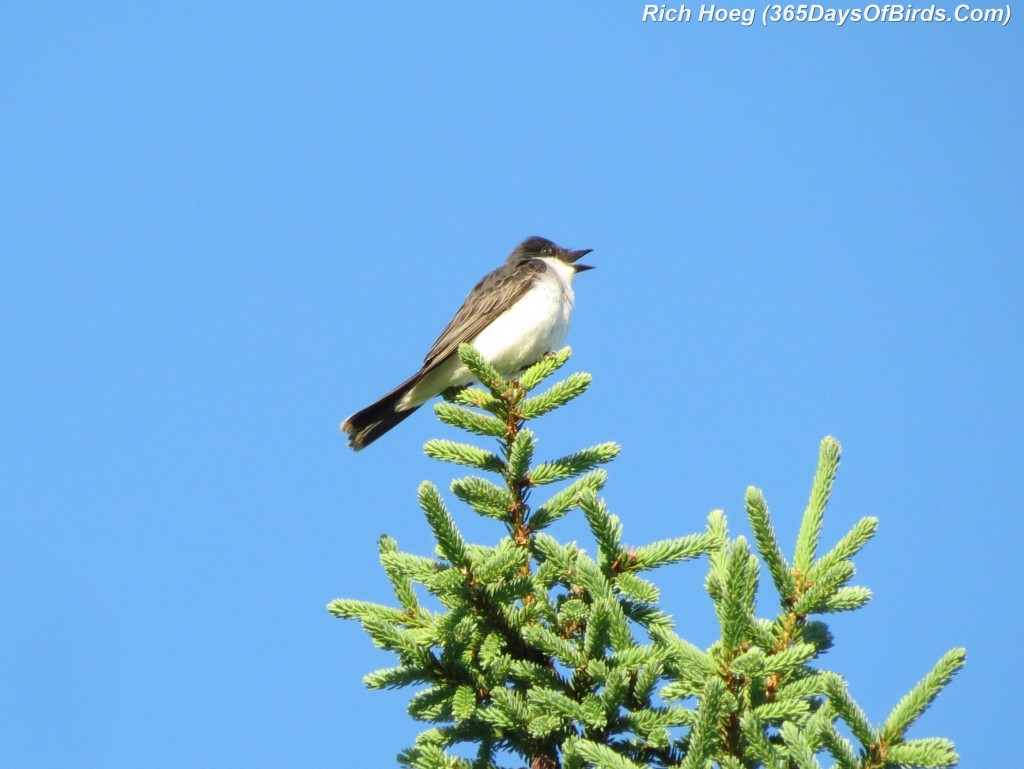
(470, 421)
(449, 539)
(756, 743)
(602, 756)
(849, 710)
(347, 608)
(917, 700)
(801, 754)
(567, 661)
(839, 748)
(637, 588)
(929, 753)
(705, 737)
(667, 551)
(474, 397)
(828, 583)
(844, 599)
(396, 678)
(544, 368)
(768, 545)
(789, 659)
(557, 396)
(484, 372)
(401, 581)
(845, 548)
(606, 529)
(520, 453)
(573, 464)
(463, 454)
(567, 499)
(821, 490)
(484, 497)
(734, 600)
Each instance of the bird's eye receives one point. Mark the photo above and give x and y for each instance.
(546, 250)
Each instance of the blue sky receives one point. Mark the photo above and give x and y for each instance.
(224, 227)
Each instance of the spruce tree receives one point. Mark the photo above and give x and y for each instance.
(544, 654)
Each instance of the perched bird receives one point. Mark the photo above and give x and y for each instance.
(513, 316)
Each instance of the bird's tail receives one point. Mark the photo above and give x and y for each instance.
(367, 425)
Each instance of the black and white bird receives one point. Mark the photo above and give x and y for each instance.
(513, 316)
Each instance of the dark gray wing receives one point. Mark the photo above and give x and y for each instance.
(494, 294)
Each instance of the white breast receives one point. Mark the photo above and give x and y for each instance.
(536, 324)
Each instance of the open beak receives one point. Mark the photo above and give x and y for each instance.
(572, 256)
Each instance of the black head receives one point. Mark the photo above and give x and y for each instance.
(540, 248)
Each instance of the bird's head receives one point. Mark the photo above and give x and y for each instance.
(541, 248)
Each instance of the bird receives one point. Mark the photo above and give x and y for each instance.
(513, 316)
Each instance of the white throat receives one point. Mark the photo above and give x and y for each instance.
(564, 272)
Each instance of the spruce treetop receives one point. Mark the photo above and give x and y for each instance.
(545, 655)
